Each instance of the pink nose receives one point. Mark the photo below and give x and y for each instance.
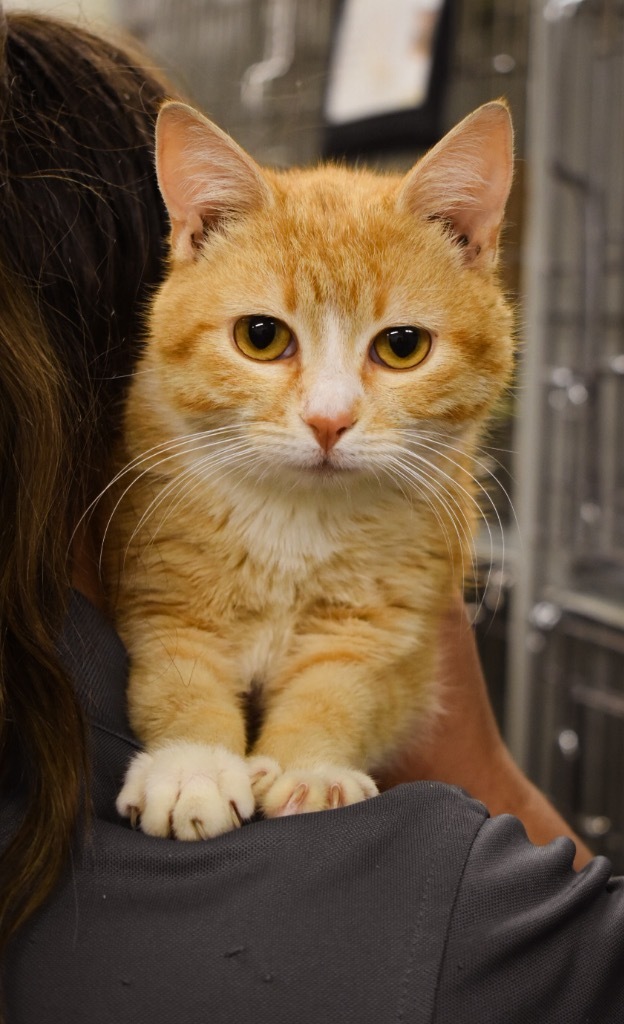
(329, 429)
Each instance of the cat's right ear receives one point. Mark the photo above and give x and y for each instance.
(204, 176)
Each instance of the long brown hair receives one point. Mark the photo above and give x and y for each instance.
(81, 243)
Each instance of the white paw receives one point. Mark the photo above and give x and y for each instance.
(316, 788)
(188, 790)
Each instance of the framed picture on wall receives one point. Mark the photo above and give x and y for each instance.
(386, 77)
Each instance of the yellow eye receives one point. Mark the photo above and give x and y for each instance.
(264, 337)
(401, 348)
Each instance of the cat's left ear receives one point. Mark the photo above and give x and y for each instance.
(465, 180)
(204, 176)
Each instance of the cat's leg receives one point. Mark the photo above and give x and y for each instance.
(333, 715)
(192, 780)
(311, 730)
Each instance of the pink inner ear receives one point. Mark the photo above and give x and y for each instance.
(203, 174)
(465, 180)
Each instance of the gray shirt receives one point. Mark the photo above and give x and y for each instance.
(411, 907)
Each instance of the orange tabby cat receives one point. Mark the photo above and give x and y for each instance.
(296, 500)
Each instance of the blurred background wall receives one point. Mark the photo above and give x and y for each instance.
(550, 607)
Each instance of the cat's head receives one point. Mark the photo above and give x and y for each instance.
(318, 317)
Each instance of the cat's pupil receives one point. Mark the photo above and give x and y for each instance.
(403, 341)
(262, 331)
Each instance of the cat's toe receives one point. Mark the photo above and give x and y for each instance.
(188, 790)
(316, 789)
(263, 773)
(131, 800)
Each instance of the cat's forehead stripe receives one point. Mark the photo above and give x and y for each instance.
(344, 245)
(333, 266)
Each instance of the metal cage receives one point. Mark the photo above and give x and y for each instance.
(566, 686)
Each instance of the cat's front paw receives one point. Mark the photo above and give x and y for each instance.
(316, 788)
(187, 790)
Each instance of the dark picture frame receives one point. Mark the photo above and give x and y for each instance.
(416, 126)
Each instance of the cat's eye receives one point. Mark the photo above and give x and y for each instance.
(401, 348)
(264, 337)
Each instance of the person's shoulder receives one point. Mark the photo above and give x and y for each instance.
(529, 938)
(439, 810)
(413, 822)
(299, 916)
(417, 820)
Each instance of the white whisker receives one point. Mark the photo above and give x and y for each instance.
(215, 460)
(233, 457)
(182, 493)
(171, 446)
(175, 449)
(445, 499)
(395, 470)
(478, 463)
(415, 437)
